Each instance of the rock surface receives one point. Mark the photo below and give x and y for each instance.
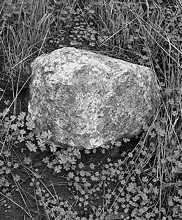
(87, 99)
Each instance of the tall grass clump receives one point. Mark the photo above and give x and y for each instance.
(39, 180)
(25, 27)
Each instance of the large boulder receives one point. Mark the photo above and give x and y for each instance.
(87, 99)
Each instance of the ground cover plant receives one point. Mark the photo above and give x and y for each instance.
(143, 180)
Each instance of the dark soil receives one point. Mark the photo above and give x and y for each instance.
(16, 105)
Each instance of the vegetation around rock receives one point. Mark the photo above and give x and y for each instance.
(143, 180)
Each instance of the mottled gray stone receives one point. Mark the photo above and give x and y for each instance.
(87, 99)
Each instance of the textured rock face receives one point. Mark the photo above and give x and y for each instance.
(87, 99)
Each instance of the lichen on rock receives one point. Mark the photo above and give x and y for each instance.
(87, 99)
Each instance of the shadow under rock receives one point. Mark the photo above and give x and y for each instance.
(113, 152)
